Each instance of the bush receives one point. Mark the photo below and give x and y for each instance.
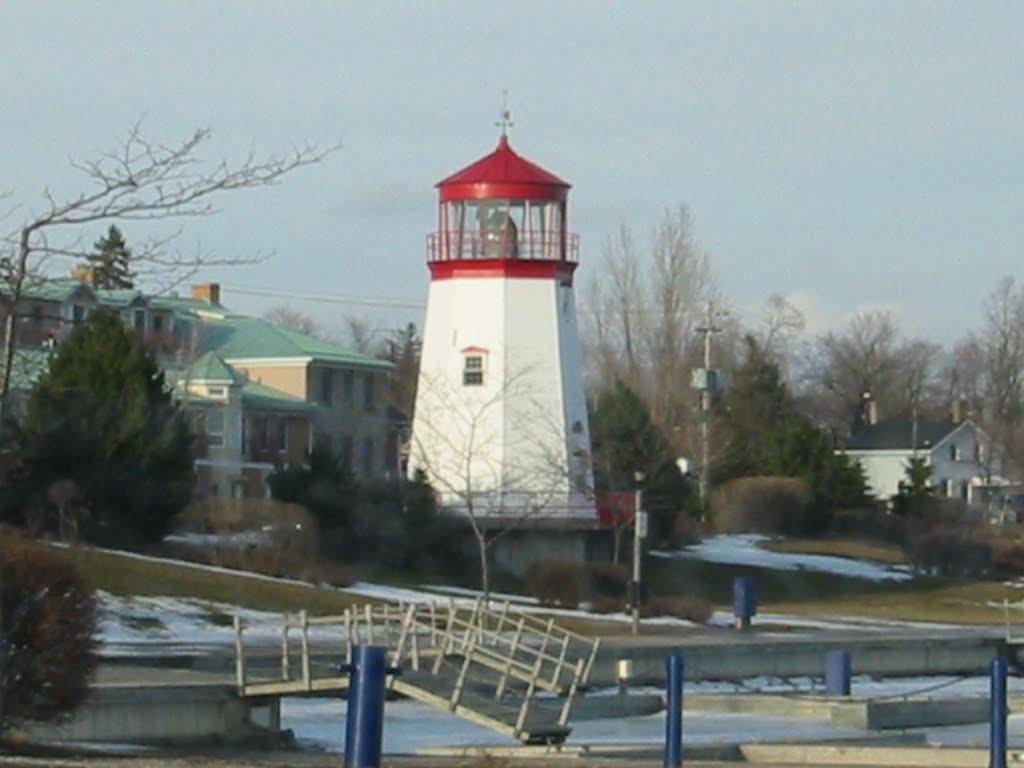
(695, 609)
(773, 505)
(951, 554)
(557, 582)
(874, 524)
(50, 619)
(569, 582)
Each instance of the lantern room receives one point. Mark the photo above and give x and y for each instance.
(502, 208)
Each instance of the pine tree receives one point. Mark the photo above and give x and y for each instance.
(103, 418)
(112, 261)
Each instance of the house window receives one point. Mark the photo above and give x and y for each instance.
(348, 386)
(216, 391)
(158, 323)
(326, 386)
(260, 433)
(368, 455)
(139, 319)
(947, 487)
(77, 313)
(954, 452)
(282, 435)
(473, 370)
(368, 391)
(215, 428)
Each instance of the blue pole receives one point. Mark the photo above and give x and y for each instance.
(364, 722)
(674, 712)
(837, 673)
(997, 714)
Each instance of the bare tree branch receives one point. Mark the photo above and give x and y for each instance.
(137, 180)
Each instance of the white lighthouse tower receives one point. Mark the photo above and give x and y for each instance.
(500, 426)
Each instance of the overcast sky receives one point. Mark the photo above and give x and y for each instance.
(845, 154)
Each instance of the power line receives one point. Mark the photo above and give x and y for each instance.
(326, 298)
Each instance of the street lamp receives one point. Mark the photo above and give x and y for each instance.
(639, 531)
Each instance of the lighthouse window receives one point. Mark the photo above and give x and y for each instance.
(473, 370)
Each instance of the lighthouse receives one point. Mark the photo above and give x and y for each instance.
(500, 424)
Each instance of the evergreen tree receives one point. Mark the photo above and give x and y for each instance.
(766, 435)
(623, 442)
(111, 262)
(916, 494)
(102, 418)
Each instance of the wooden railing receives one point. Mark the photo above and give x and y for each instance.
(516, 653)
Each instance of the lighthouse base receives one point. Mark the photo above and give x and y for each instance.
(518, 545)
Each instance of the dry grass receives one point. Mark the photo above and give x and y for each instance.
(891, 554)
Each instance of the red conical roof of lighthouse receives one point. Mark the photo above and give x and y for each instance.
(503, 174)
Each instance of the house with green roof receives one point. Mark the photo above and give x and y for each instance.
(344, 390)
(258, 394)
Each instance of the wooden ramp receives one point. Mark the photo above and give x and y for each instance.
(482, 664)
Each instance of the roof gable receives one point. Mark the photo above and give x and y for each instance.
(902, 434)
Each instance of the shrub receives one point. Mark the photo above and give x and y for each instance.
(774, 505)
(607, 580)
(557, 582)
(695, 609)
(569, 582)
(949, 553)
(50, 618)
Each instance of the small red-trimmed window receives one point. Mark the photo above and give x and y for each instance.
(473, 370)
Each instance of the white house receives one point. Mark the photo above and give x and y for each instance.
(959, 454)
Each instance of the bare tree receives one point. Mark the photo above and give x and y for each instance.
(987, 372)
(362, 335)
(296, 320)
(496, 479)
(640, 320)
(871, 356)
(138, 180)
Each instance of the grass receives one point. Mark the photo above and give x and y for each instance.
(124, 575)
(795, 592)
(858, 550)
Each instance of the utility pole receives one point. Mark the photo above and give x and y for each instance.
(639, 531)
(707, 383)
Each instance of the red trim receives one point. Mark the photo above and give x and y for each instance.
(528, 268)
(470, 350)
(511, 190)
(501, 173)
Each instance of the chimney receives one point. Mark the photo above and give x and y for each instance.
(84, 273)
(208, 292)
(957, 409)
(869, 408)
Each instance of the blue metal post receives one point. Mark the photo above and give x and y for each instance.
(997, 714)
(674, 712)
(837, 673)
(744, 600)
(364, 723)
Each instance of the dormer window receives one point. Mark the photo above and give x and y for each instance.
(218, 392)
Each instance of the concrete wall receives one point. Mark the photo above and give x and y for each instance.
(143, 715)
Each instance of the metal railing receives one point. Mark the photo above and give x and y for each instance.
(537, 245)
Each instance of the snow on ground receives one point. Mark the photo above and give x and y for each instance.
(745, 549)
(130, 624)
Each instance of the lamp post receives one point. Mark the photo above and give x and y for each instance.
(639, 531)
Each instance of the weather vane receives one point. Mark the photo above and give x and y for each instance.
(505, 116)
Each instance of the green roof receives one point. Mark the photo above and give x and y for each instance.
(58, 289)
(210, 367)
(118, 297)
(239, 337)
(28, 366)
